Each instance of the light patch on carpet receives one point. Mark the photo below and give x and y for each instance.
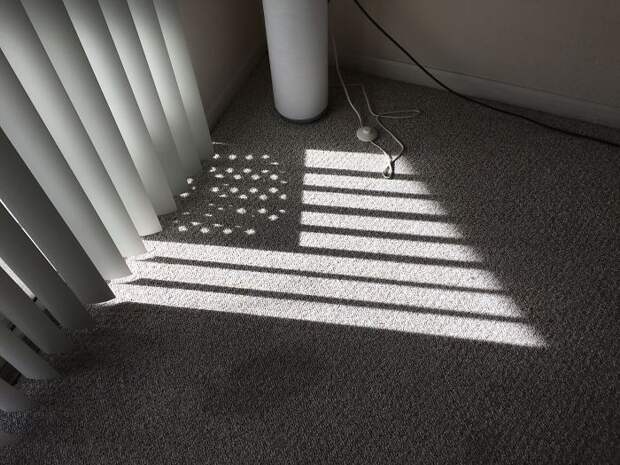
(336, 289)
(431, 274)
(487, 330)
(394, 247)
(379, 224)
(371, 184)
(342, 270)
(351, 161)
(204, 277)
(365, 202)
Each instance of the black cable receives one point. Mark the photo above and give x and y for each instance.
(473, 100)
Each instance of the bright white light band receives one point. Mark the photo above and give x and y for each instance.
(335, 289)
(391, 186)
(368, 202)
(351, 161)
(475, 278)
(433, 251)
(381, 224)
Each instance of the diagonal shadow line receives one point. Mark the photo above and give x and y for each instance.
(384, 235)
(357, 254)
(364, 174)
(319, 299)
(470, 265)
(317, 274)
(370, 193)
(377, 213)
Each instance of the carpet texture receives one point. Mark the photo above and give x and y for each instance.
(300, 309)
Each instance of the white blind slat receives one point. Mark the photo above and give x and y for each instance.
(178, 51)
(24, 52)
(28, 203)
(22, 256)
(95, 38)
(125, 37)
(152, 40)
(25, 360)
(55, 30)
(17, 307)
(35, 145)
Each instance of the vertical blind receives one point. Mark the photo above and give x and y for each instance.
(101, 124)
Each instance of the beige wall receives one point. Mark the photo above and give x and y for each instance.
(568, 50)
(225, 38)
(565, 47)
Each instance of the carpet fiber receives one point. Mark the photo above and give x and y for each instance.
(300, 309)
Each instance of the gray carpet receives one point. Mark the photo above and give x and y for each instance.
(299, 309)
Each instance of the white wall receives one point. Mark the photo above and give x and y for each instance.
(561, 56)
(226, 39)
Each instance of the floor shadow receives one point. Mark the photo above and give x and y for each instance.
(542, 211)
(243, 199)
(214, 387)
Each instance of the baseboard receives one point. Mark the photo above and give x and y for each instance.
(217, 108)
(488, 89)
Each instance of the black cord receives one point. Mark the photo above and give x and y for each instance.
(473, 100)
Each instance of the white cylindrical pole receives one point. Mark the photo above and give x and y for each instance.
(93, 32)
(24, 258)
(125, 37)
(178, 51)
(26, 200)
(25, 360)
(17, 307)
(297, 39)
(23, 50)
(11, 400)
(53, 25)
(152, 40)
(35, 145)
